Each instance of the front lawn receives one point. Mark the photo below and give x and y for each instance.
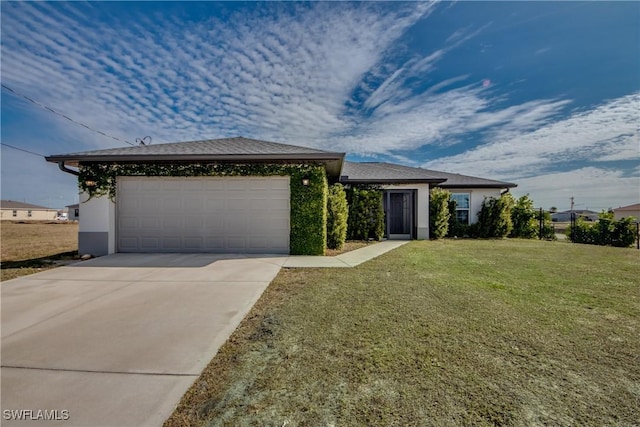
(455, 332)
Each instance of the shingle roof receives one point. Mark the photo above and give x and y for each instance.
(238, 146)
(633, 207)
(378, 172)
(10, 204)
(236, 149)
(375, 172)
(456, 180)
(241, 149)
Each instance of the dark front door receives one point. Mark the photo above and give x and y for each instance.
(399, 214)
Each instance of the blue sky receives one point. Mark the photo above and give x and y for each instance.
(544, 94)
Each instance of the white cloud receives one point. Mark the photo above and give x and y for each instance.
(607, 132)
(288, 77)
(284, 77)
(592, 188)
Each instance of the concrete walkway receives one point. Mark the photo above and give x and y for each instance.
(348, 259)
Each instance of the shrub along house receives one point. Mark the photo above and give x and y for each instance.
(242, 195)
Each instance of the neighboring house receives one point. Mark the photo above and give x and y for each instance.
(26, 211)
(248, 206)
(627, 211)
(565, 216)
(74, 212)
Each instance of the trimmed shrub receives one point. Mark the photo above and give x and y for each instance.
(605, 232)
(439, 214)
(366, 213)
(337, 216)
(494, 218)
(308, 220)
(624, 233)
(523, 218)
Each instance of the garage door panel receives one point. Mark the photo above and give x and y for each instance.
(149, 243)
(171, 243)
(205, 214)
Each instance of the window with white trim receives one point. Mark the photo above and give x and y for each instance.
(462, 206)
(29, 213)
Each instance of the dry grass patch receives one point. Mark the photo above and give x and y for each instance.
(349, 245)
(30, 247)
(465, 332)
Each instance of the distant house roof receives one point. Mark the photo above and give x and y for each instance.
(581, 212)
(10, 204)
(238, 149)
(377, 172)
(634, 207)
(76, 206)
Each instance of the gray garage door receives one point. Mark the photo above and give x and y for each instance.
(204, 214)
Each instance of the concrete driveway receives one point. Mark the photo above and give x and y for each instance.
(116, 341)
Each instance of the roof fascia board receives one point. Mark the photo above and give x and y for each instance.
(393, 181)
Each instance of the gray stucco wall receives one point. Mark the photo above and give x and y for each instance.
(93, 242)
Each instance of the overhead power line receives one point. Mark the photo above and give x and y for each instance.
(63, 115)
(21, 149)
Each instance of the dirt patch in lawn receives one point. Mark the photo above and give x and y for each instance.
(350, 245)
(30, 247)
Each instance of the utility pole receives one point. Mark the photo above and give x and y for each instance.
(573, 222)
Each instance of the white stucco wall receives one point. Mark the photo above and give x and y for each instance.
(98, 215)
(476, 197)
(422, 205)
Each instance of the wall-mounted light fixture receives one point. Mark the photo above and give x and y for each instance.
(90, 183)
(305, 182)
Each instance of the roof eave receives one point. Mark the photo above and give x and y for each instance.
(497, 185)
(392, 181)
(332, 161)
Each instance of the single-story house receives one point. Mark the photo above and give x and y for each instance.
(565, 216)
(242, 195)
(12, 210)
(627, 211)
(74, 212)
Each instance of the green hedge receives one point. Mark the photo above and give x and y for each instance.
(605, 232)
(494, 218)
(308, 203)
(337, 216)
(523, 218)
(439, 214)
(366, 213)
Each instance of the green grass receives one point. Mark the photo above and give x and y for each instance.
(454, 332)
